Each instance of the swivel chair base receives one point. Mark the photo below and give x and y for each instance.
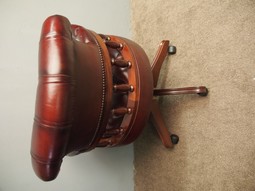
(168, 139)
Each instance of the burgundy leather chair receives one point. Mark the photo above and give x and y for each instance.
(94, 91)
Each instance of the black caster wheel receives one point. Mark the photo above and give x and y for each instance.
(204, 93)
(174, 139)
(171, 50)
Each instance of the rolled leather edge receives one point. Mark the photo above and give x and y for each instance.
(56, 25)
(54, 102)
(46, 171)
(48, 148)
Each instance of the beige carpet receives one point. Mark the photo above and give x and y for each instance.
(215, 47)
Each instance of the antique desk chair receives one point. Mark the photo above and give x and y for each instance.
(94, 90)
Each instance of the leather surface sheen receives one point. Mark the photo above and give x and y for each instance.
(75, 97)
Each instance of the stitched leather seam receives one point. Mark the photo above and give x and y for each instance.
(65, 79)
(41, 161)
(50, 125)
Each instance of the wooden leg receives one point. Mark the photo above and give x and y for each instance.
(158, 60)
(166, 137)
(201, 90)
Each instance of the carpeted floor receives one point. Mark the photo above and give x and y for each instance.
(215, 42)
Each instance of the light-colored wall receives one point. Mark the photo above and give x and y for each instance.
(101, 169)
